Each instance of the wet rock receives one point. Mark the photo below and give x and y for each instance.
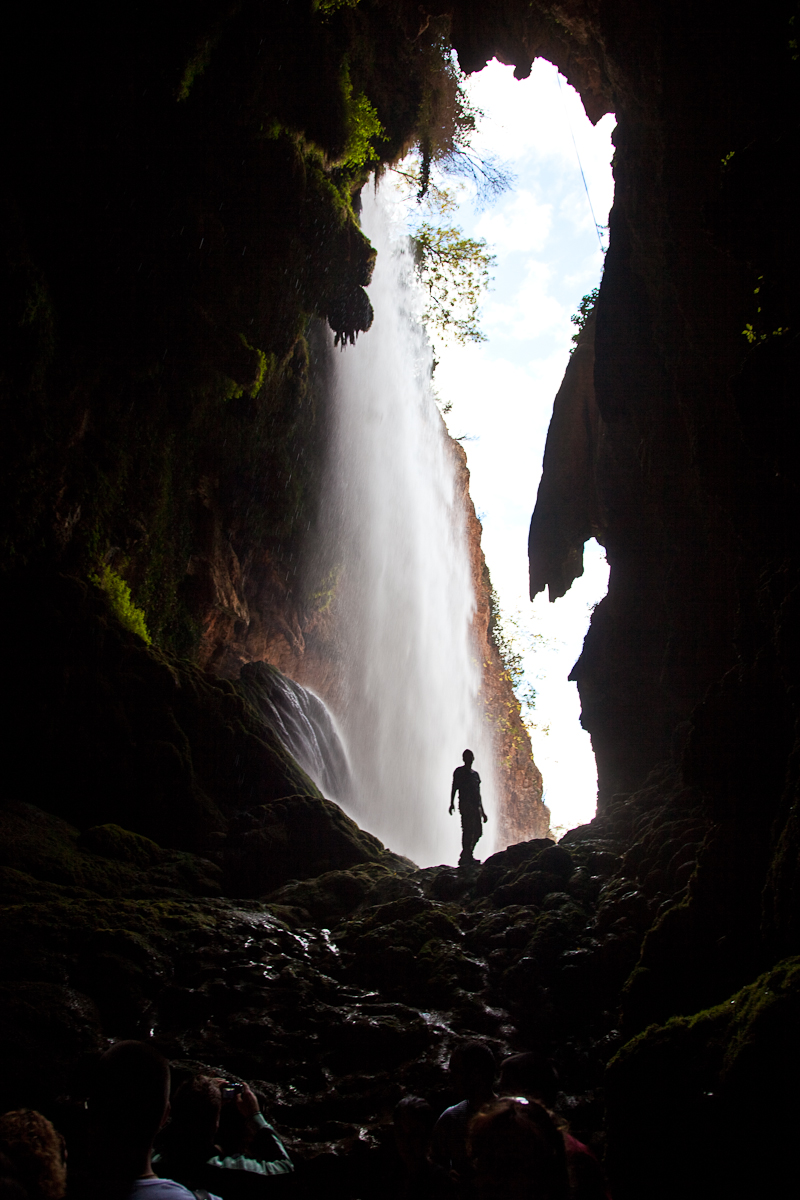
(556, 860)
(330, 896)
(377, 1038)
(48, 1034)
(529, 887)
(583, 886)
(296, 837)
(622, 900)
(445, 883)
(506, 861)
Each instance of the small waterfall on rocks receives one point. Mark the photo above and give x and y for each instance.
(395, 526)
(305, 726)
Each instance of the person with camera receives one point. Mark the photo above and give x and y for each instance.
(218, 1138)
(128, 1104)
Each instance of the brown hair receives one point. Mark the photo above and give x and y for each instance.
(36, 1151)
(517, 1149)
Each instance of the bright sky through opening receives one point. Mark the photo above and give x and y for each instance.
(502, 391)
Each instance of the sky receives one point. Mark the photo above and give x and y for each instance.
(501, 391)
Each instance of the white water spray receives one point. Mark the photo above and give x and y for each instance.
(405, 600)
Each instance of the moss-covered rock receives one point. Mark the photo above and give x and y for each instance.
(39, 850)
(330, 896)
(295, 837)
(696, 1093)
(47, 1035)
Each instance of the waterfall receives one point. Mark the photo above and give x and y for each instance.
(304, 725)
(395, 527)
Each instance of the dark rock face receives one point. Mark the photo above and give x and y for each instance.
(685, 676)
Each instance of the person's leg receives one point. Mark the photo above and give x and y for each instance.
(470, 832)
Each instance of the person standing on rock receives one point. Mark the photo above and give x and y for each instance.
(468, 785)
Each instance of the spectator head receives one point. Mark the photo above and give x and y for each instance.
(468, 757)
(414, 1120)
(472, 1067)
(530, 1075)
(129, 1099)
(194, 1118)
(517, 1152)
(10, 1186)
(35, 1153)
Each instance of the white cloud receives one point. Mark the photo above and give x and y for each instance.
(518, 224)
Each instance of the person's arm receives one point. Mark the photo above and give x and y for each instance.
(453, 793)
(480, 801)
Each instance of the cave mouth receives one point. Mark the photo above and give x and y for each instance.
(548, 232)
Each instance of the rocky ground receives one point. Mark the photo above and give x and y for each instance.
(334, 995)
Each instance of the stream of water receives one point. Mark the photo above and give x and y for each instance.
(404, 600)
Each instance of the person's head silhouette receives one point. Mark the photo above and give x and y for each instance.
(468, 757)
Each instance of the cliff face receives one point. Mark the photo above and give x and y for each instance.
(521, 813)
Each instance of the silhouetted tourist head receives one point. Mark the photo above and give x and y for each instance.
(414, 1120)
(473, 1067)
(194, 1118)
(128, 1103)
(35, 1153)
(10, 1186)
(468, 757)
(517, 1152)
(530, 1075)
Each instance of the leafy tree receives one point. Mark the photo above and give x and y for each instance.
(454, 270)
(582, 315)
(365, 129)
(513, 642)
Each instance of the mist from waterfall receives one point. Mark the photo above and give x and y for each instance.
(395, 527)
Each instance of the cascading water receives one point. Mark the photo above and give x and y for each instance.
(305, 726)
(395, 523)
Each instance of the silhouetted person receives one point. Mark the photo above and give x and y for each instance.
(534, 1077)
(517, 1153)
(531, 1075)
(34, 1153)
(191, 1148)
(128, 1104)
(472, 1068)
(422, 1179)
(468, 785)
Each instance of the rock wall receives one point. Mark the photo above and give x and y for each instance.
(521, 813)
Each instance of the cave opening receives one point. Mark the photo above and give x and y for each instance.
(548, 233)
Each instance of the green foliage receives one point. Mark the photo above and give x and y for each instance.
(119, 595)
(513, 641)
(753, 332)
(196, 66)
(324, 593)
(365, 127)
(454, 270)
(582, 315)
(331, 6)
